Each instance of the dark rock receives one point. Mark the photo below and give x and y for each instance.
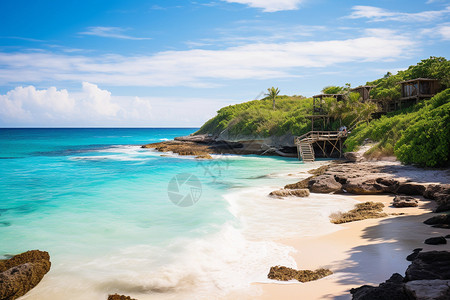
(17, 281)
(410, 189)
(285, 274)
(413, 255)
(324, 184)
(428, 289)
(429, 265)
(302, 184)
(393, 288)
(440, 193)
(440, 221)
(389, 185)
(199, 138)
(439, 240)
(286, 192)
(447, 236)
(405, 201)
(119, 297)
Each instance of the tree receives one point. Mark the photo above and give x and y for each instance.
(273, 93)
(333, 89)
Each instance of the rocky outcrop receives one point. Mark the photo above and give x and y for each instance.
(441, 194)
(438, 240)
(199, 138)
(393, 288)
(429, 265)
(362, 186)
(302, 184)
(414, 255)
(284, 274)
(439, 221)
(410, 189)
(23, 272)
(353, 156)
(405, 201)
(324, 184)
(119, 297)
(428, 289)
(290, 192)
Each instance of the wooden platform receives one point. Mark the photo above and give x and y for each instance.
(305, 143)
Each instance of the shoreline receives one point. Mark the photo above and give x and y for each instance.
(363, 252)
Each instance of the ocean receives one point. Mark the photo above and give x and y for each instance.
(118, 218)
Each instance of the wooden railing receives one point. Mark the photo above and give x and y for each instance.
(314, 136)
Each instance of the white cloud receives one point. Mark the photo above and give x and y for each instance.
(93, 106)
(441, 31)
(270, 5)
(377, 14)
(110, 32)
(203, 68)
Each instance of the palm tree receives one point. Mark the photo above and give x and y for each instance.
(272, 93)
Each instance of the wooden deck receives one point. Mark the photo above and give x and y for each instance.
(305, 143)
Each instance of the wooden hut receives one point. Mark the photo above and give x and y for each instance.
(364, 91)
(417, 89)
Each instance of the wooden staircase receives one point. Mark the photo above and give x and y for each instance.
(306, 151)
(305, 143)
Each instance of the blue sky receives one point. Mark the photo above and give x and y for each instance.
(175, 62)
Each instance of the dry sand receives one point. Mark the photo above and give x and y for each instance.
(362, 252)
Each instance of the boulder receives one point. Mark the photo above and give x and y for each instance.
(393, 288)
(411, 189)
(405, 201)
(302, 184)
(429, 265)
(413, 255)
(22, 272)
(29, 256)
(362, 186)
(440, 193)
(439, 240)
(286, 192)
(428, 289)
(440, 221)
(324, 184)
(119, 297)
(17, 281)
(352, 156)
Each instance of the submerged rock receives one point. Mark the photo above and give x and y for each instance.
(286, 192)
(18, 280)
(405, 201)
(284, 274)
(439, 240)
(429, 265)
(428, 289)
(324, 184)
(393, 288)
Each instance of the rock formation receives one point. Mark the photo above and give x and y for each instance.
(284, 274)
(290, 192)
(405, 201)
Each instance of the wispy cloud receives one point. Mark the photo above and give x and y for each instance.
(377, 14)
(270, 5)
(441, 31)
(199, 67)
(111, 32)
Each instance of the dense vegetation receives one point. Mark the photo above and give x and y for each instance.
(257, 117)
(419, 135)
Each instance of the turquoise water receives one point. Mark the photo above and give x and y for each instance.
(99, 204)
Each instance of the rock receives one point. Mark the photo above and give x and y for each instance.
(352, 156)
(284, 274)
(439, 240)
(447, 236)
(413, 255)
(324, 184)
(119, 297)
(440, 221)
(410, 189)
(405, 201)
(302, 184)
(429, 265)
(199, 138)
(361, 186)
(26, 257)
(440, 193)
(286, 192)
(393, 288)
(17, 281)
(428, 289)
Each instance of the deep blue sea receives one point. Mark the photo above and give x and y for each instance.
(118, 218)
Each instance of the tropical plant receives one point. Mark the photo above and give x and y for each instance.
(272, 94)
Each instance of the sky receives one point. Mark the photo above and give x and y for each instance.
(174, 63)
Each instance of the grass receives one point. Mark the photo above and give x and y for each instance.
(362, 211)
(284, 274)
